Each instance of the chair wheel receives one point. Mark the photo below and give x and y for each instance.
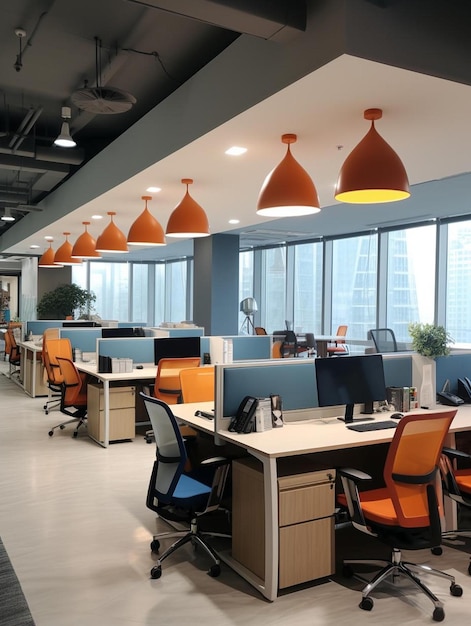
(456, 590)
(214, 571)
(438, 615)
(366, 604)
(62, 426)
(155, 545)
(46, 411)
(347, 571)
(51, 432)
(156, 572)
(437, 550)
(75, 434)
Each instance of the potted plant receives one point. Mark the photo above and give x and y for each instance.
(64, 301)
(430, 340)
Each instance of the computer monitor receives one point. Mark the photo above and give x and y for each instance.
(117, 333)
(176, 347)
(350, 380)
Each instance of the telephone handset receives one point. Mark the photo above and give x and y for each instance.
(243, 422)
(464, 388)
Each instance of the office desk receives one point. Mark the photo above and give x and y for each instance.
(32, 370)
(145, 374)
(294, 439)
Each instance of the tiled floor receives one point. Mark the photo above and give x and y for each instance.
(74, 522)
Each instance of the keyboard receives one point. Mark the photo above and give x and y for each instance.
(367, 426)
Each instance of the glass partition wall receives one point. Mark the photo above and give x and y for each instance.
(383, 278)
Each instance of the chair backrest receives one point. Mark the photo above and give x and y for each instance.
(171, 452)
(341, 332)
(197, 384)
(52, 350)
(384, 339)
(74, 389)
(167, 380)
(11, 347)
(411, 470)
(259, 330)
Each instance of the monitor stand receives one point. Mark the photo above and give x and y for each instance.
(348, 417)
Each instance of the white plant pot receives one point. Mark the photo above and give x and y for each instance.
(424, 374)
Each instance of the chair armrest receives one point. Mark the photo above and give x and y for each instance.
(350, 477)
(451, 453)
(353, 474)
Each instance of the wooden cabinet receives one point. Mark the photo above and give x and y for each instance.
(305, 520)
(122, 413)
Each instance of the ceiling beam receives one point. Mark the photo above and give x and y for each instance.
(278, 20)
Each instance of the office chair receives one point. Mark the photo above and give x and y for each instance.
(405, 513)
(52, 349)
(259, 330)
(456, 484)
(289, 342)
(383, 339)
(197, 384)
(177, 496)
(167, 386)
(73, 395)
(308, 345)
(339, 346)
(14, 354)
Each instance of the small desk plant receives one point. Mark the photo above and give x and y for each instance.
(431, 341)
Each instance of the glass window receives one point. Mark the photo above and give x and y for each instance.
(274, 288)
(176, 283)
(246, 287)
(110, 283)
(354, 267)
(140, 291)
(79, 275)
(458, 293)
(159, 304)
(410, 278)
(308, 287)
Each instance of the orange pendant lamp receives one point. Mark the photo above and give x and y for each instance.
(372, 172)
(288, 189)
(47, 259)
(188, 218)
(146, 230)
(112, 239)
(85, 246)
(63, 254)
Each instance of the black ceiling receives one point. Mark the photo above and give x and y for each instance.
(50, 50)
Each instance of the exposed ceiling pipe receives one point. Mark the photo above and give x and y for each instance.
(24, 121)
(26, 129)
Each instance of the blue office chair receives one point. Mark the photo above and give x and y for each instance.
(178, 496)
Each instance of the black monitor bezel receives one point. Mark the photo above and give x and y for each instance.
(171, 347)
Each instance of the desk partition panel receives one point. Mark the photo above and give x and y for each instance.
(83, 339)
(451, 368)
(244, 347)
(139, 349)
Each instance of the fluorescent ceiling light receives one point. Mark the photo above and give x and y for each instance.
(236, 151)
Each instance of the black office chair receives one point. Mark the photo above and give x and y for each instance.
(181, 497)
(289, 343)
(383, 339)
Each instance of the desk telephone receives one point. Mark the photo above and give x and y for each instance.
(244, 419)
(464, 393)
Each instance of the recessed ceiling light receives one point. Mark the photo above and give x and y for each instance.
(49, 238)
(34, 246)
(234, 221)
(153, 189)
(97, 217)
(236, 151)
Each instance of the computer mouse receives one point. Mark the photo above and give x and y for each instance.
(397, 416)
(139, 367)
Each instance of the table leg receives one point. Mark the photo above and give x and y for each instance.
(106, 412)
(321, 347)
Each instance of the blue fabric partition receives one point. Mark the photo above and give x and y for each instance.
(139, 349)
(37, 327)
(244, 347)
(295, 382)
(185, 332)
(451, 368)
(83, 339)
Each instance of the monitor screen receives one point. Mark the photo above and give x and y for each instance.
(116, 333)
(176, 347)
(80, 324)
(350, 380)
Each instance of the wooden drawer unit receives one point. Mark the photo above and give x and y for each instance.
(306, 522)
(122, 413)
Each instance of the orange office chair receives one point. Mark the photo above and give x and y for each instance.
(52, 349)
(456, 484)
(13, 351)
(259, 330)
(73, 395)
(339, 347)
(197, 384)
(406, 512)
